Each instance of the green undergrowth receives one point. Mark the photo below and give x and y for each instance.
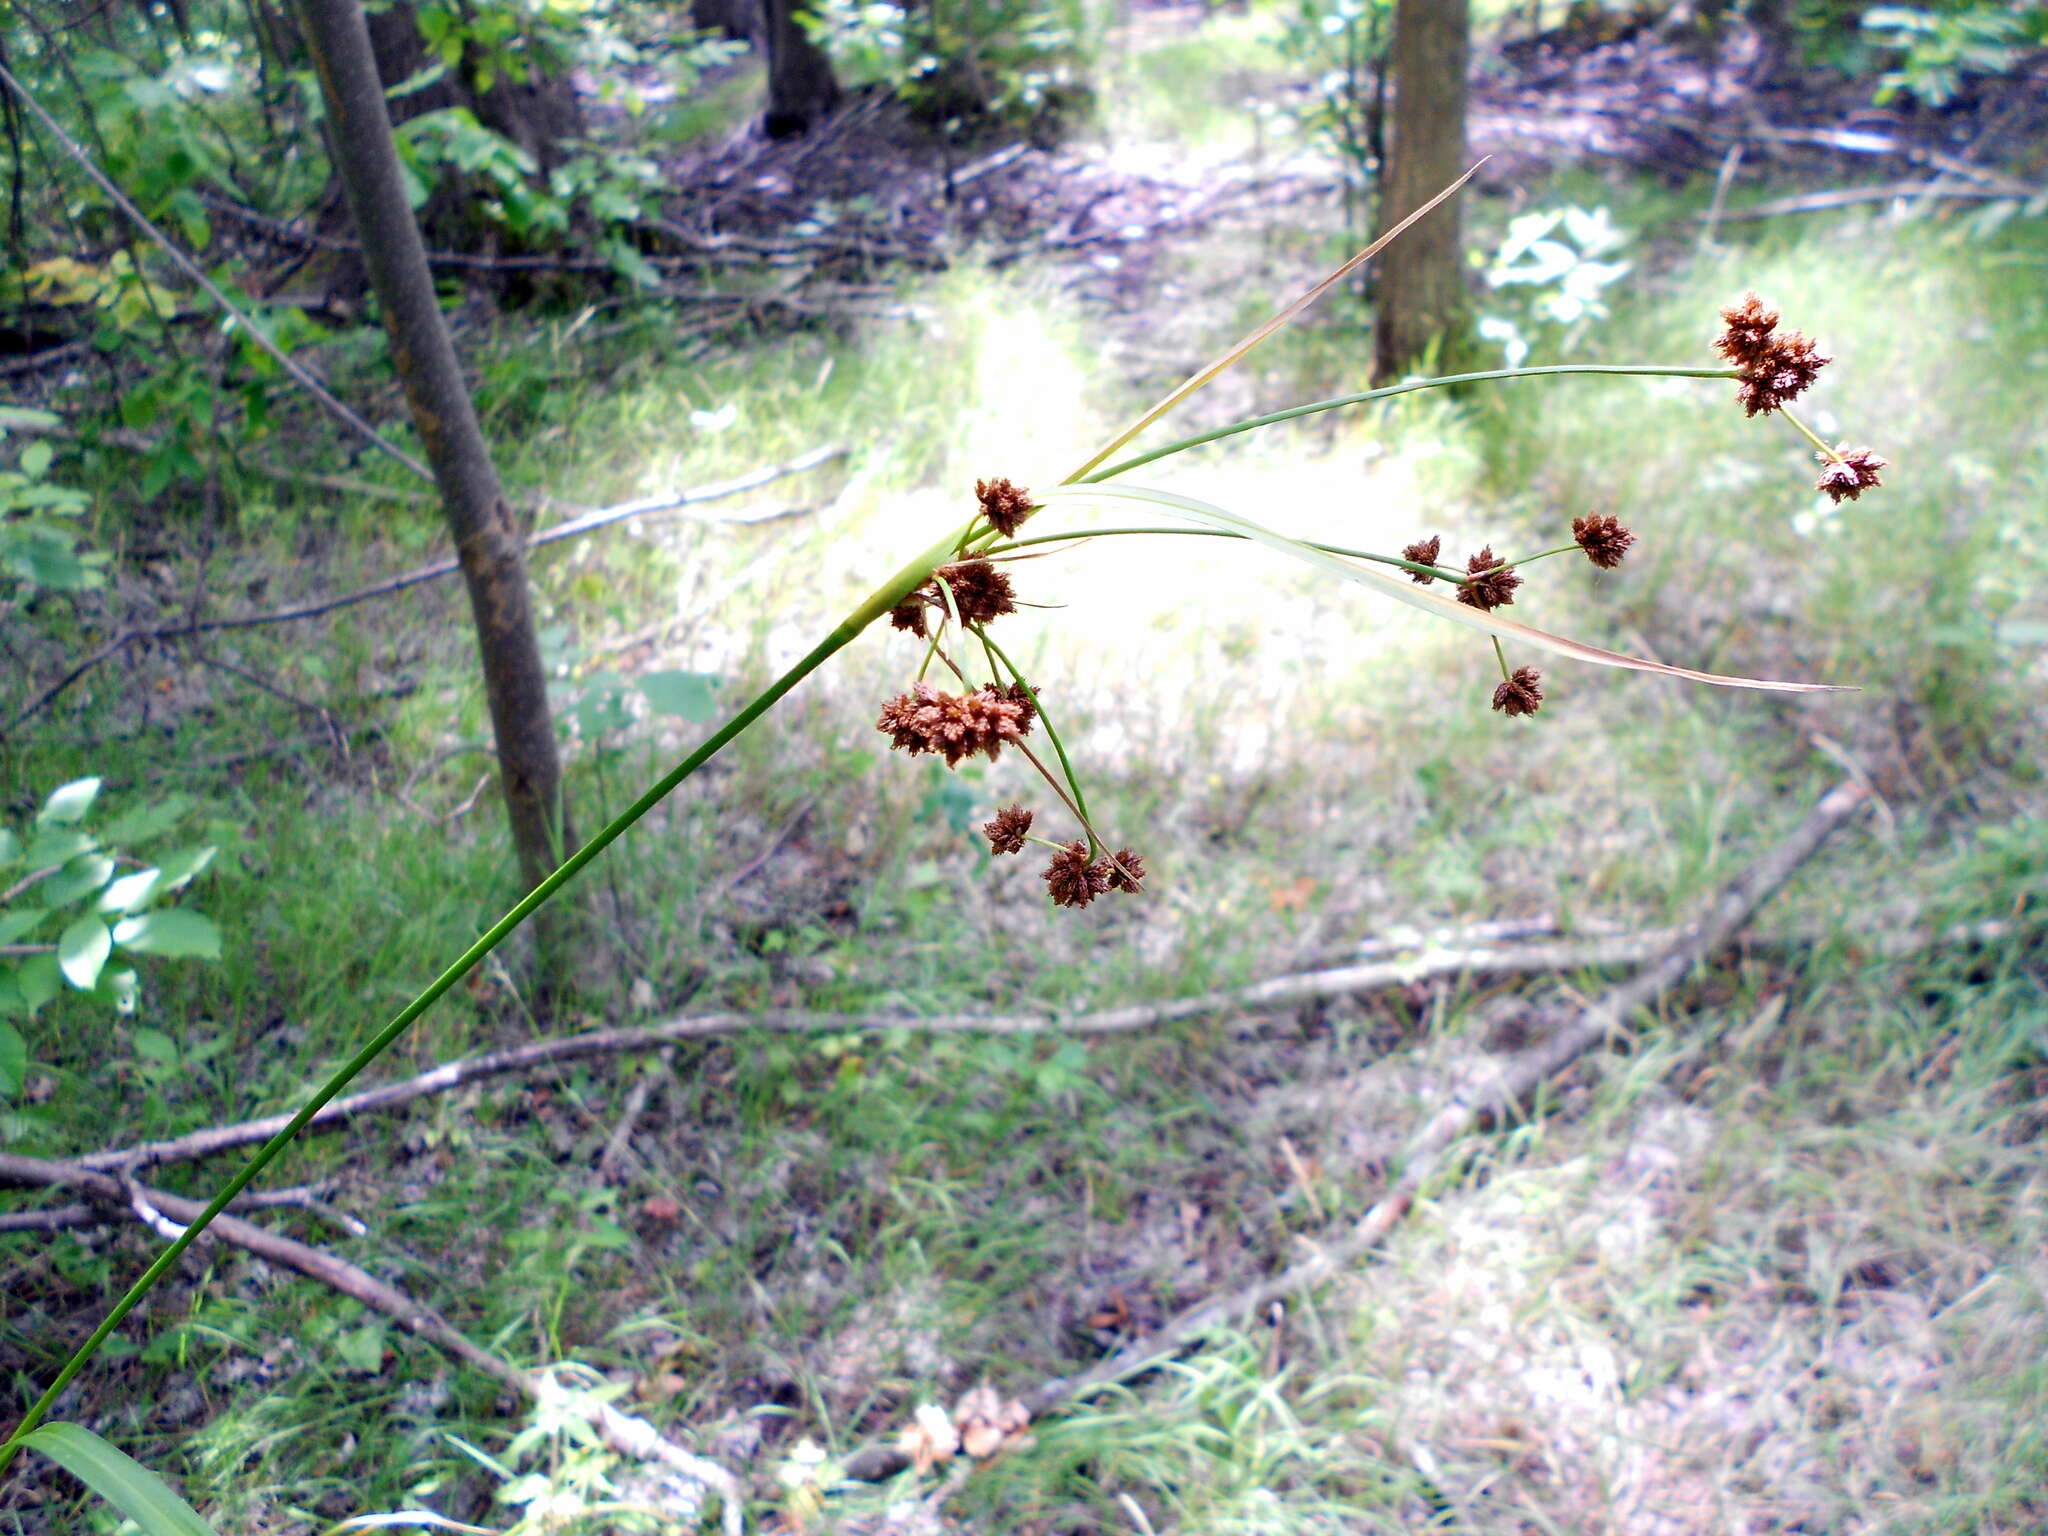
(1803, 1201)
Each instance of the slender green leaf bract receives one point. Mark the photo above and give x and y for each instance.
(120, 1479)
(1406, 592)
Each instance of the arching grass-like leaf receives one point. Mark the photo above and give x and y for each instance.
(1407, 592)
(120, 1479)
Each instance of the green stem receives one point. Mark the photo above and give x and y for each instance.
(1224, 533)
(1058, 746)
(1388, 391)
(1501, 656)
(1827, 454)
(1562, 549)
(885, 597)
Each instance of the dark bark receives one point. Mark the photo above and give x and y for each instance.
(801, 86)
(488, 543)
(536, 111)
(1421, 290)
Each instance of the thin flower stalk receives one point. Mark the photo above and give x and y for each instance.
(1406, 386)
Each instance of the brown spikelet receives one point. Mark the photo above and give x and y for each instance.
(1849, 474)
(1603, 539)
(1423, 552)
(980, 591)
(1493, 583)
(1747, 336)
(1775, 368)
(1006, 833)
(1521, 694)
(1025, 697)
(1126, 873)
(1004, 504)
(952, 725)
(1072, 880)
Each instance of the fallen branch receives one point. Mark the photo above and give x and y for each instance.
(1416, 967)
(583, 523)
(1844, 197)
(1427, 1150)
(154, 1207)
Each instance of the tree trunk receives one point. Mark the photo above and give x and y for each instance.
(538, 111)
(801, 86)
(490, 547)
(1422, 274)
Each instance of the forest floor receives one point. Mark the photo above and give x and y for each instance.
(1771, 1262)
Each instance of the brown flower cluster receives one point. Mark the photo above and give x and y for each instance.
(1007, 832)
(980, 593)
(1775, 368)
(1603, 538)
(1074, 880)
(1849, 474)
(956, 725)
(1004, 504)
(1493, 582)
(1521, 694)
(1423, 552)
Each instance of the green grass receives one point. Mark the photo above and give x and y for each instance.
(1778, 1260)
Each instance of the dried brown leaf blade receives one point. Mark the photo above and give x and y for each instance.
(1403, 591)
(1203, 375)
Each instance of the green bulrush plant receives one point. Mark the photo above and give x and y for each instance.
(957, 587)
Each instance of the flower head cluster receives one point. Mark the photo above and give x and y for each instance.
(1850, 473)
(1775, 368)
(1521, 694)
(1423, 552)
(955, 725)
(1603, 538)
(1493, 581)
(1004, 504)
(980, 593)
(1007, 832)
(1074, 880)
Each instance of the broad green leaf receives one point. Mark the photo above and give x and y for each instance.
(119, 987)
(68, 803)
(362, 1349)
(10, 849)
(118, 1478)
(173, 931)
(81, 877)
(35, 459)
(82, 949)
(49, 849)
(687, 694)
(155, 1045)
(1405, 591)
(178, 868)
(23, 417)
(38, 980)
(14, 924)
(13, 1060)
(142, 822)
(128, 893)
